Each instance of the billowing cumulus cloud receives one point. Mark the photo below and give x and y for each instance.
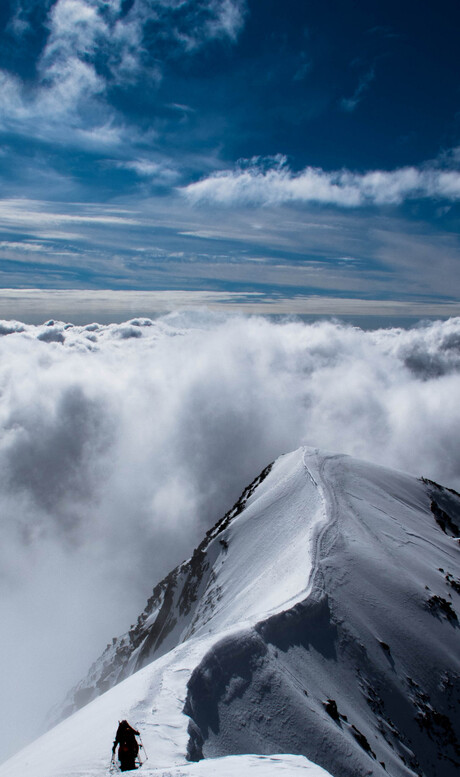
(121, 444)
(272, 182)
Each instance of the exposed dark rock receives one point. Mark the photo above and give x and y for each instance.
(362, 741)
(442, 608)
(444, 520)
(331, 708)
(438, 726)
(454, 582)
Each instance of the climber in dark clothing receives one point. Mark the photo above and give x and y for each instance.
(127, 746)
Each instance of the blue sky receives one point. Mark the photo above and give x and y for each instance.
(278, 150)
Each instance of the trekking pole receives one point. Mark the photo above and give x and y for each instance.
(142, 745)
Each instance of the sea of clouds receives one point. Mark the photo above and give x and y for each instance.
(121, 444)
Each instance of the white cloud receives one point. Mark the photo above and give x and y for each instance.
(26, 246)
(68, 82)
(393, 259)
(93, 45)
(159, 172)
(227, 18)
(23, 15)
(255, 184)
(33, 213)
(349, 104)
(75, 26)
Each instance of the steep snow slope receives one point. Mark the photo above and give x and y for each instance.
(369, 662)
(267, 564)
(317, 618)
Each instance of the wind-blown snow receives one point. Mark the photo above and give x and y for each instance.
(347, 652)
(121, 444)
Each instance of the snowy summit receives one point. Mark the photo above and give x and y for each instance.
(313, 632)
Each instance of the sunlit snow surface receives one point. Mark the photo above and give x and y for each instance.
(321, 593)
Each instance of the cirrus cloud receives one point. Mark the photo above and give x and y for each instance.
(92, 47)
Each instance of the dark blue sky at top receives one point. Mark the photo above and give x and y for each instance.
(111, 112)
(282, 87)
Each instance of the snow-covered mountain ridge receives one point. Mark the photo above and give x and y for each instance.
(317, 619)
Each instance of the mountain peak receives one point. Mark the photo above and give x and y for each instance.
(318, 618)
